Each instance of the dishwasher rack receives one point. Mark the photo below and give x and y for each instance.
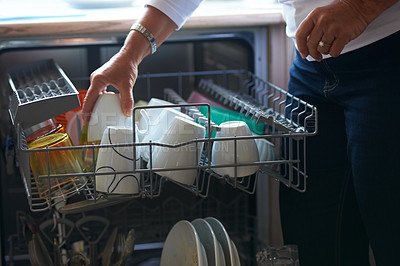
(287, 121)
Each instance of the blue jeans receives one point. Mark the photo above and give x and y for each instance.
(353, 186)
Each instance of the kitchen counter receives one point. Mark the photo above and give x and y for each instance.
(61, 20)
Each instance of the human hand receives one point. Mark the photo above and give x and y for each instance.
(122, 69)
(327, 29)
(120, 72)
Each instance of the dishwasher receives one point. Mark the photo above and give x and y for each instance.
(220, 66)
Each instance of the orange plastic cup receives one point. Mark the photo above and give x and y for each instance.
(43, 129)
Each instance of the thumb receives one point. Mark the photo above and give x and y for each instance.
(127, 101)
(92, 94)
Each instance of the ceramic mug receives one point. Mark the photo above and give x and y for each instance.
(223, 151)
(107, 111)
(266, 149)
(156, 126)
(152, 113)
(188, 155)
(117, 159)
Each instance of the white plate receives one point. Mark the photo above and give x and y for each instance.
(221, 256)
(235, 252)
(207, 237)
(183, 247)
(223, 238)
(203, 256)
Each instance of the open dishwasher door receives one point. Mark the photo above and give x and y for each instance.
(152, 218)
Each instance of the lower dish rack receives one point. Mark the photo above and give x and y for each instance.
(286, 123)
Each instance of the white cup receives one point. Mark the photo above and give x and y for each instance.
(153, 113)
(107, 111)
(156, 126)
(266, 150)
(179, 131)
(223, 152)
(115, 159)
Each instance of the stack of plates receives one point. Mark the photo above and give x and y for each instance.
(202, 242)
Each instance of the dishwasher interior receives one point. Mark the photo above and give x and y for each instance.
(220, 66)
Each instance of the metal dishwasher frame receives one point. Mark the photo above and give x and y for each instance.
(288, 122)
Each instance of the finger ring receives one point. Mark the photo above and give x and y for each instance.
(322, 44)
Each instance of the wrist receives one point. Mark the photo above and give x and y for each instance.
(136, 46)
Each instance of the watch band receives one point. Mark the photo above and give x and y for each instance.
(146, 33)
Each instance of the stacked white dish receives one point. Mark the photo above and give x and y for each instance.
(214, 251)
(183, 246)
(203, 242)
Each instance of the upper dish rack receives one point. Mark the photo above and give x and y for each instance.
(287, 121)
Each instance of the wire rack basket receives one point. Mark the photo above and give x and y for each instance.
(285, 119)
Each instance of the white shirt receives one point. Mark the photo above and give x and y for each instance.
(177, 10)
(295, 11)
